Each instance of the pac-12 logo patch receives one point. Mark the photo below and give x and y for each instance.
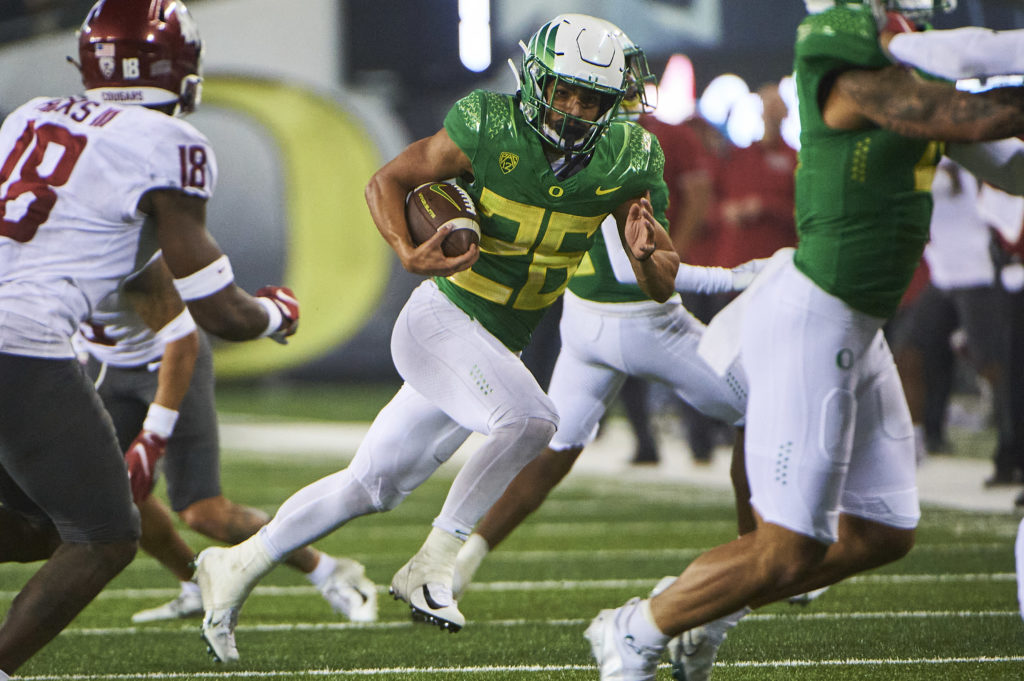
(507, 161)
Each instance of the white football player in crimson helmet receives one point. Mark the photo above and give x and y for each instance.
(90, 187)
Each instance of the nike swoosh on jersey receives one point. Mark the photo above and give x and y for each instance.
(601, 191)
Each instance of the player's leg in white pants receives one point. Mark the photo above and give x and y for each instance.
(602, 343)
(461, 368)
(481, 385)
(404, 445)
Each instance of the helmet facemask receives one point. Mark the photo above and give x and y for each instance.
(637, 98)
(576, 52)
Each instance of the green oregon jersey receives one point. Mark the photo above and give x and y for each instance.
(863, 197)
(535, 228)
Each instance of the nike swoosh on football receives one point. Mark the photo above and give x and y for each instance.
(601, 191)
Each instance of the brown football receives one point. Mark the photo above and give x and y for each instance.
(433, 205)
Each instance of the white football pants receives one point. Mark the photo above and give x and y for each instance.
(828, 429)
(603, 343)
(458, 379)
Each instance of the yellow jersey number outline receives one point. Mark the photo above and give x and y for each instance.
(531, 221)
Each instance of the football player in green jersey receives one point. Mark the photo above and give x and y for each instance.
(545, 167)
(602, 319)
(829, 448)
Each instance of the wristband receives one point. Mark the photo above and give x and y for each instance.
(179, 327)
(273, 312)
(160, 420)
(206, 281)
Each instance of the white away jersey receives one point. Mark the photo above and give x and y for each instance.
(116, 335)
(72, 171)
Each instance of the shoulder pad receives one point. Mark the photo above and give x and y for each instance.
(642, 148)
(844, 33)
(471, 109)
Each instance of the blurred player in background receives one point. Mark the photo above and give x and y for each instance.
(755, 190)
(154, 372)
(545, 167)
(829, 447)
(688, 173)
(89, 189)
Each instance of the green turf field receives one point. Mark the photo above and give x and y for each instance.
(947, 611)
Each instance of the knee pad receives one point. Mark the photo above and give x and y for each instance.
(533, 432)
(838, 412)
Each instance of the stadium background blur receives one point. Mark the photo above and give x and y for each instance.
(303, 100)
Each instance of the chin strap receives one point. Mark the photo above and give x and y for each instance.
(880, 12)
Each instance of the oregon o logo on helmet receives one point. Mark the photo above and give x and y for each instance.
(844, 358)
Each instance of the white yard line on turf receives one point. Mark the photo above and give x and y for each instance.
(191, 628)
(561, 584)
(525, 669)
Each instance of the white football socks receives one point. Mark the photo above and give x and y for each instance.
(467, 562)
(437, 555)
(639, 622)
(323, 570)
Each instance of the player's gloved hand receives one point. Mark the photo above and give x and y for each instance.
(743, 274)
(141, 457)
(288, 305)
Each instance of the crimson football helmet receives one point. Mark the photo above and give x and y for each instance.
(141, 52)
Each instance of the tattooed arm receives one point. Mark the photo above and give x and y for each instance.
(896, 99)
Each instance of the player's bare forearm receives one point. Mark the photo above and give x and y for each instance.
(230, 313)
(385, 198)
(657, 274)
(175, 373)
(651, 253)
(426, 160)
(896, 99)
(152, 295)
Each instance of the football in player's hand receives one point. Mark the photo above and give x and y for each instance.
(433, 205)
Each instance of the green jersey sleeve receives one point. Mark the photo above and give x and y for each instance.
(845, 35)
(863, 201)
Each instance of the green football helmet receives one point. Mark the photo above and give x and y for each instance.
(582, 51)
(636, 100)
